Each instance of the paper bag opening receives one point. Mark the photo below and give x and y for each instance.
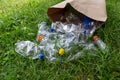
(96, 10)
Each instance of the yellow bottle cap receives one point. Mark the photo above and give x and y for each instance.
(61, 51)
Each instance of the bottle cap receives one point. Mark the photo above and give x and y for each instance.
(87, 22)
(51, 30)
(40, 38)
(84, 31)
(41, 56)
(61, 51)
(95, 38)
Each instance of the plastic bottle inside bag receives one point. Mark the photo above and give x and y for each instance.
(89, 27)
(58, 26)
(68, 39)
(92, 31)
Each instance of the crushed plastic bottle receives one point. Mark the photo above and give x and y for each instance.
(83, 36)
(99, 43)
(42, 26)
(27, 48)
(92, 31)
(89, 47)
(58, 26)
(50, 53)
(42, 31)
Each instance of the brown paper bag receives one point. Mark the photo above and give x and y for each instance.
(94, 9)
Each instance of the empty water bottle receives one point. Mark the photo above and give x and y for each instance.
(99, 43)
(50, 53)
(83, 36)
(27, 48)
(92, 31)
(88, 47)
(58, 26)
(42, 26)
(42, 31)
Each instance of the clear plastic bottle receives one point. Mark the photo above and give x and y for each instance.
(42, 31)
(83, 36)
(73, 28)
(29, 49)
(92, 31)
(99, 43)
(58, 26)
(89, 26)
(89, 47)
(50, 52)
(42, 26)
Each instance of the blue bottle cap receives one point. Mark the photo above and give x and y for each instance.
(84, 31)
(41, 56)
(51, 30)
(87, 22)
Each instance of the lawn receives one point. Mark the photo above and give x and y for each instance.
(18, 21)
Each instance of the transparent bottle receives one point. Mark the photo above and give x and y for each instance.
(42, 26)
(99, 43)
(29, 49)
(50, 52)
(92, 31)
(83, 36)
(88, 47)
(58, 26)
(42, 31)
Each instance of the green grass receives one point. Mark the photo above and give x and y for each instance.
(18, 21)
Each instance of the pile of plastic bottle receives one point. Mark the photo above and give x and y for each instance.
(56, 41)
